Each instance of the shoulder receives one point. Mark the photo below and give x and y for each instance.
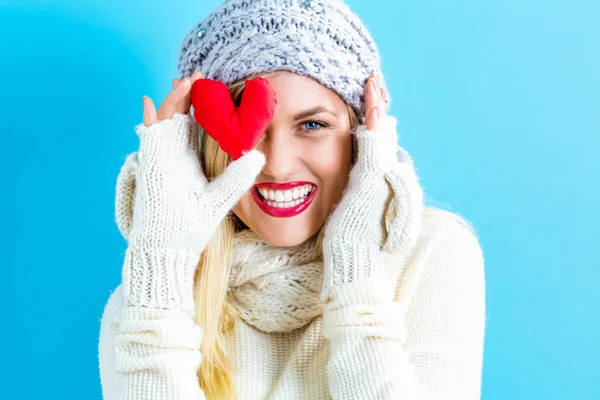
(447, 252)
(449, 245)
(449, 233)
(451, 254)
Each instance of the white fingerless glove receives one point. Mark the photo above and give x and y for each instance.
(167, 211)
(381, 184)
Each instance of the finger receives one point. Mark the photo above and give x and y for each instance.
(149, 111)
(185, 104)
(373, 119)
(380, 102)
(224, 191)
(169, 105)
(371, 105)
(180, 108)
(383, 96)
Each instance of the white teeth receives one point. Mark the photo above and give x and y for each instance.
(286, 204)
(286, 198)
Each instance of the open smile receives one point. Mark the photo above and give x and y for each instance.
(283, 200)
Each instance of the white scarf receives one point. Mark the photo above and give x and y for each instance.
(275, 289)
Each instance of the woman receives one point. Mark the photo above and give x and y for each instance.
(344, 287)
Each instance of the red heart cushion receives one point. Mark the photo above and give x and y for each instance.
(237, 130)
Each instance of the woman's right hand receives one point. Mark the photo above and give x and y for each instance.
(179, 100)
(174, 209)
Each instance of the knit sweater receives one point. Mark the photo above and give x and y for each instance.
(429, 340)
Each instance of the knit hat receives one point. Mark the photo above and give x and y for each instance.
(322, 39)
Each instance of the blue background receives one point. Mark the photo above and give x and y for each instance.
(498, 104)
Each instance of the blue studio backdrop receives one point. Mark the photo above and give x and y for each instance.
(497, 101)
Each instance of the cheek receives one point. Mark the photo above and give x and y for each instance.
(333, 152)
(243, 208)
(330, 162)
(325, 164)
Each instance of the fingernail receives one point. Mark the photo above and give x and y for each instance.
(185, 80)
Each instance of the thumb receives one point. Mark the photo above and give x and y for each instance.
(125, 193)
(224, 191)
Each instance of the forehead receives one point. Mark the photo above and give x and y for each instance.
(297, 92)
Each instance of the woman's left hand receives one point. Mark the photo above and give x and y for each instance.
(381, 207)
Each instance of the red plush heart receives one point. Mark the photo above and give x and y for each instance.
(237, 130)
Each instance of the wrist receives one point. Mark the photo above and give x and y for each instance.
(348, 262)
(160, 278)
(372, 290)
(363, 308)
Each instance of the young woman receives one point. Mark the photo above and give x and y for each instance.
(307, 268)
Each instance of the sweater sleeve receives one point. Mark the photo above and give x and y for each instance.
(148, 353)
(429, 345)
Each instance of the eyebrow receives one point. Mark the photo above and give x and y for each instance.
(312, 111)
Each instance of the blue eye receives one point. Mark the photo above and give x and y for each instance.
(316, 125)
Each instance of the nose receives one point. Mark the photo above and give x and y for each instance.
(282, 160)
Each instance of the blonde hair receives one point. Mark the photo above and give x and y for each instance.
(214, 314)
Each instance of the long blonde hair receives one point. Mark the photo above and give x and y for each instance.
(213, 312)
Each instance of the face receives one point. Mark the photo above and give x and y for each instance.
(307, 145)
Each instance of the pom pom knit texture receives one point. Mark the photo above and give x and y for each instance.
(324, 40)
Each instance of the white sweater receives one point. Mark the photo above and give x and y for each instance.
(438, 353)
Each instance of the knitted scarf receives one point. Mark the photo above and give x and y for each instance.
(275, 289)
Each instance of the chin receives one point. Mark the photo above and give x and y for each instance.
(286, 237)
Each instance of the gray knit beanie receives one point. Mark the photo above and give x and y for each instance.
(322, 39)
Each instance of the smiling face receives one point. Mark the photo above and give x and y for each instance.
(307, 144)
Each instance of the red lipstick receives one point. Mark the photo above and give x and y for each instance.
(283, 212)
